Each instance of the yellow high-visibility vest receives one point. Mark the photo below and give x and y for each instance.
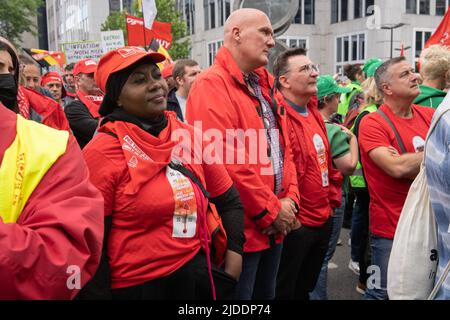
(357, 178)
(26, 161)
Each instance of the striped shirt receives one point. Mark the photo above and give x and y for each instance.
(437, 160)
(270, 123)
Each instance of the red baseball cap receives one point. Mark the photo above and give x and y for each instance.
(167, 71)
(85, 66)
(119, 59)
(53, 77)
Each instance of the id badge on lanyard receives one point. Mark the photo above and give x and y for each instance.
(185, 214)
(321, 158)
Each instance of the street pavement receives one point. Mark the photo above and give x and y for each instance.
(341, 280)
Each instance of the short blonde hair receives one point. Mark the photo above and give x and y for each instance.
(371, 93)
(435, 62)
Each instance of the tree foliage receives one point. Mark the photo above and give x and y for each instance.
(17, 17)
(167, 12)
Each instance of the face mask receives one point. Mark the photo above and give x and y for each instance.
(8, 90)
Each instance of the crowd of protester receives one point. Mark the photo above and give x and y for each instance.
(109, 187)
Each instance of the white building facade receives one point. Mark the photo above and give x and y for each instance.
(335, 32)
(75, 21)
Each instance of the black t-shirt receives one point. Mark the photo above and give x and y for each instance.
(81, 122)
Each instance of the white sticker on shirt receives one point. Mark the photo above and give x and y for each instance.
(185, 214)
(418, 143)
(321, 158)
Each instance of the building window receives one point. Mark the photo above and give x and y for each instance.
(354, 47)
(212, 13)
(424, 7)
(213, 47)
(209, 8)
(216, 12)
(344, 10)
(334, 11)
(361, 8)
(294, 42)
(411, 6)
(205, 14)
(441, 7)
(187, 10)
(224, 11)
(339, 10)
(338, 50)
(114, 5)
(358, 9)
(421, 37)
(418, 6)
(306, 12)
(350, 49)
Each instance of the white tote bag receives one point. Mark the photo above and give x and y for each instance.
(414, 256)
(413, 261)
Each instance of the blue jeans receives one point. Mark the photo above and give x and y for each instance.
(320, 290)
(377, 281)
(360, 222)
(259, 274)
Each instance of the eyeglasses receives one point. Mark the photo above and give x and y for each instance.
(307, 68)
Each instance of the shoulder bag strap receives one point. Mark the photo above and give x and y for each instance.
(397, 135)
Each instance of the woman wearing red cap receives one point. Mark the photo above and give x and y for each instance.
(54, 82)
(154, 212)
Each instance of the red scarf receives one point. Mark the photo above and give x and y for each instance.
(145, 154)
(91, 102)
(23, 103)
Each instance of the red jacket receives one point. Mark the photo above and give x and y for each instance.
(219, 98)
(315, 207)
(50, 112)
(60, 228)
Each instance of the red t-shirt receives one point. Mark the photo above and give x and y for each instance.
(388, 194)
(150, 238)
(311, 152)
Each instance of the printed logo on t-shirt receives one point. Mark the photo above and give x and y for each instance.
(418, 143)
(185, 214)
(321, 158)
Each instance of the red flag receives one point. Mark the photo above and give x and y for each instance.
(442, 34)
(161, 32)
(402, 51)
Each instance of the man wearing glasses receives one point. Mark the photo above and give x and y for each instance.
(304, 248)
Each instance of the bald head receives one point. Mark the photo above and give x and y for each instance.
(248, 35)
(242, 18)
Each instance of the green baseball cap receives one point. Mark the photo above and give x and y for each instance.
(326, 85)
(371, 66)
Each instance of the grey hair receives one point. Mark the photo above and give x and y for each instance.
(382, 73)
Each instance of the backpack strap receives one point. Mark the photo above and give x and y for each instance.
(397, 135)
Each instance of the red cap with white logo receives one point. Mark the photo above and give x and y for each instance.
(85, 66)
(119, 59)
